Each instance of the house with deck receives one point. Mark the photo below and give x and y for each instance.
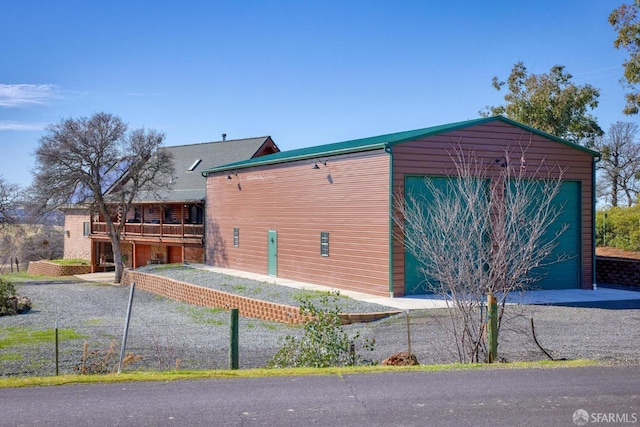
(164, 228)
(323, 214)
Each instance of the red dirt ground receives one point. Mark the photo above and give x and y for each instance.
(615, 252)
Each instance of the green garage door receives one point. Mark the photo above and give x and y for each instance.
(559, 275)
(565, 274)
(415, 280)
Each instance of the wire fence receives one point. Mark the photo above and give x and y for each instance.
(169, 335)
(94, 346)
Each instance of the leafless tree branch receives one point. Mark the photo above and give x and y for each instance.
(484, 227)
(96, 162)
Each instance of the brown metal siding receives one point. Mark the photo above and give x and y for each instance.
(348, 197)
(429, 156)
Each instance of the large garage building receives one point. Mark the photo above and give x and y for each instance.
(323, 214)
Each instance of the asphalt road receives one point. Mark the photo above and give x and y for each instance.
(488, 397)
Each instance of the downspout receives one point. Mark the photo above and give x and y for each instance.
(204, 225)
(593, 221)
(387, 149)
(204, 217)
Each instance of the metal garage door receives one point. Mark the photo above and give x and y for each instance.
(565, 274)
(560, 275)
(414, 279)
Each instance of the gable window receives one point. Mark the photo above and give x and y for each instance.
(324, 243)
(236, 237)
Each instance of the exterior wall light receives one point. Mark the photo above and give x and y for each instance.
(315, 165)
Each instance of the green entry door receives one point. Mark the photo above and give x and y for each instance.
(272, 253)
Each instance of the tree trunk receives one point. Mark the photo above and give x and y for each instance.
(629, 197)
(114, 234)
(117, 258)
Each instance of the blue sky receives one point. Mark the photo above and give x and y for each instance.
(305, 72)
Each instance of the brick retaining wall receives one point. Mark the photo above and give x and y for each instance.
(618, 271)
(198, 295)
(247, 307)
(46, 268)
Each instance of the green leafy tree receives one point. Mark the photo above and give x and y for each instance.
(624, 21)
(619, 227)
(549, 102)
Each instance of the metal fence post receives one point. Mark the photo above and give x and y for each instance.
(126, 327)
(492, 327)
(233, 339)
(57, 348)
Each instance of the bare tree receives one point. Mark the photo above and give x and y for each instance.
(98, 163)
(44, 241)
(483, 229)
(9, 202)
(619, 169)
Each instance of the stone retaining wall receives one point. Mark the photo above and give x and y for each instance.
(618, 271)
(47, 268)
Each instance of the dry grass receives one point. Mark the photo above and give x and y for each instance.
(258, 373)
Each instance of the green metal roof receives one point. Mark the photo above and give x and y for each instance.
(378, 142)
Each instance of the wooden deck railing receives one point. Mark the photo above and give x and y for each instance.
(154, 230)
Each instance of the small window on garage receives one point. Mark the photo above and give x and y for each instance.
(236, 237)
(86, 229)
(324, 243)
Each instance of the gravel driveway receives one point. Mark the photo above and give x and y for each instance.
(169, 334)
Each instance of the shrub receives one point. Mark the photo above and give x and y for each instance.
(10, 303)
(619, 227)
(97, 363)
(324, 343)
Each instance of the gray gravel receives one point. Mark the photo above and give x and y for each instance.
(170, 334)
(251, 288)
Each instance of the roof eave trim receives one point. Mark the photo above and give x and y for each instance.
(547, 135)
(484, 120)
(446, 129)
(234, 166)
